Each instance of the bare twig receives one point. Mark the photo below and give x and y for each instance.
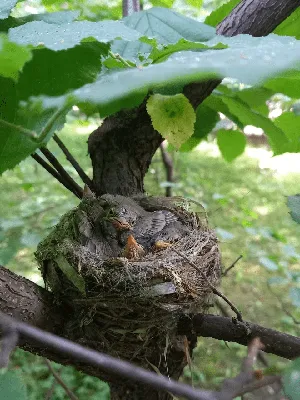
(69, 393)
(168, 164)
(257, 384)
(60, 169)
(231, 266)
(212, 287)
(73, 162)
(55, 174)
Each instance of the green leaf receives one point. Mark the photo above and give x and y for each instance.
(231, 143)
(293, 203)
(12, 58)
(71, 274)
(162, 53)
(295, 297)
(206, 119)
(256, 98)
(166, 26)
(60, 17)
(11, 386)
(289, 123)
(247, 60)
(6, 7)
(172, 116)
(33, 125)
(287, 83)
(55, 72)
(291, 379)
(268, 263)
(65, 36)
(194, 3)
(220, 13)
(290, 26)
(247, 116)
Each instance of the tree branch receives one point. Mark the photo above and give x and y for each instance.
(73, 162)
(54, 173)
(63, 173)
(169, 168)
(223, 328)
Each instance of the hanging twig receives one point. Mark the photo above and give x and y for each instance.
(60, 169)
(54, 173)
(74, 163)
(231, 266)
(69, 392)
(168, 164)
(212, 287)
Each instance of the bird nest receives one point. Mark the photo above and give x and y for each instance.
(129, 269)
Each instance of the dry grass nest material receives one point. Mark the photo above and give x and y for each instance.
(132, 301)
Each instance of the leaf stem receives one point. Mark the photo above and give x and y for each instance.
(28, 133)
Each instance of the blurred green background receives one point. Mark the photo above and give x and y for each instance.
(245, 202)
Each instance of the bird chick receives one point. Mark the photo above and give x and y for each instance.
(133, 250)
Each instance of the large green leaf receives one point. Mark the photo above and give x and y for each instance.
(287, 83)
(65, 36)
(60, 17)
(291, 379)
(248, 59)
(293, 203)
(289, 123)
(290, 26)
(256, 98)
(220, 13)
(11, 386)
(206, 119)
(5, 7)
(55, 72)
(247, 116)
(12, 57)
(24, 128)
(231, 143)
(166, 26)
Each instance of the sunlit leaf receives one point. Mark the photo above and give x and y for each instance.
(231, 143)
(172, 116)
(65, 36)
(166, 26)
(5, 7)
(290, 26)
(220, 13)
(12, 58)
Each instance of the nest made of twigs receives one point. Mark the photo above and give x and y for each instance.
(124, 304)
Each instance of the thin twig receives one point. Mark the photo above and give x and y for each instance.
(60, 169)
(212, 287)
(74, 163)
(168, 164)
(54, 173)
(69, 392)
(231, 266)
(257, 384)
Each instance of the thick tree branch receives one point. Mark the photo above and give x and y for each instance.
(223, 328)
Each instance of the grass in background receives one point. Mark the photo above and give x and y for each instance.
(245, 204)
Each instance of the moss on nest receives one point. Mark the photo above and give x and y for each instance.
(121, 305)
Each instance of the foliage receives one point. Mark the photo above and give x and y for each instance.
(110, 65)
(291, 380)
(11, 386)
